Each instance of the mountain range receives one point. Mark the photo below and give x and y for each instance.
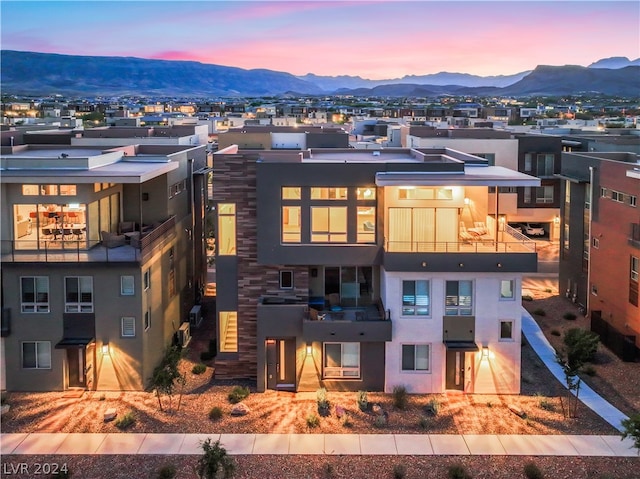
(39, 74)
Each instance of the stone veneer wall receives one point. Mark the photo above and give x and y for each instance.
(235, 182)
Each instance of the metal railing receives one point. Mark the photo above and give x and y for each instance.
(475, 246)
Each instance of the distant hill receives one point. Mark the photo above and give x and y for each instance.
(42, 74)
(615, 62)
(47, 73)
(330, 83)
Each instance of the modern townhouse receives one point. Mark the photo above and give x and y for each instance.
(600, 244)
(102, 260)
(354, 269)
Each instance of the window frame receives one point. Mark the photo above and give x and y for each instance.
(281, 275)
(460, 310)
(513, 290)
(146, 279)
(24, 305)
(415, 370)
(511, 338)
(341, 369)
(122, 326)
(78, 306)
(634, 268)
(35, 343)
(415, 307)
(147, 319)
(332, 236)
(123, 289)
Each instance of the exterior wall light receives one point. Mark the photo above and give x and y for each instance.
(467, 201)
(461, 265)
(309, 349)
(105, 349)
(485, 352)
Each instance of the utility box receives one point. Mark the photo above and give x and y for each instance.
(195, 316)
(184, 334)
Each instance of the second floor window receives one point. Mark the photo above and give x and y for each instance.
(227, 229)
(415, 298)
(328, 224)
(34, 294)
(78, 294)
(459, 298)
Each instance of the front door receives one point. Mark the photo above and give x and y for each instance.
(76, 367)
(454, 377)
(281, 364)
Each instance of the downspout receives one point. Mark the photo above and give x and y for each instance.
(591, 201)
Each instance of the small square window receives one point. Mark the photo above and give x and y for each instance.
(128, 327)
(506, 329)
(506, 289)
(147, 279)
(286, 279)
(127, 287)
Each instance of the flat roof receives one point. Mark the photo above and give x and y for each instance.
(474, 175)
(56, 152)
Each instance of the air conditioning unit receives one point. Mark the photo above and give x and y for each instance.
(184, 334)
(195, 316)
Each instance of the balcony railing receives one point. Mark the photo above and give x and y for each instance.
(74, 251)
(480, 246)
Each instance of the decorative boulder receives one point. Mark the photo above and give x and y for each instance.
(340, 411)
(240, 409)
(377, 409)
(110, 414)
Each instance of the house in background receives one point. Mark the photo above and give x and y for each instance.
(362, 270)
(600, 244)
(102, 259)
(270, 137)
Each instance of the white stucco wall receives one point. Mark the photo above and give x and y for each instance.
(499, 373)
(289, 140)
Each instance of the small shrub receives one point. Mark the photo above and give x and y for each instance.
(546, 404)
(238, 393)
(346, 421)
(540, 312)
(590, 370)
(489, 404)
(215, 413)
(126, 421)
(555, 332)
(569, 316)
(424, 422)
(458, 471)
(199, 368)
(432, 407)
(167, 472)
(631, 429)
(532, 471)
(399, 471)
(313, 420)
(213, 460)
(527, 297)
(363, 402)
(329, 469)
(400, 397)
(380, 421)
(322, 401)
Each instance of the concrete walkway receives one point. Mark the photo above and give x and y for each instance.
(315, 444)
(547, 354)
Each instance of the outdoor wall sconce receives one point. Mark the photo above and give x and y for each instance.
(467, 201)
(461, 265)
(309, 349)
(105, 349)
(499, 265)
(424, 264)
(556, 220)
(485, 352)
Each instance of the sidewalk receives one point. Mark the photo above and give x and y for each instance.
(315, 444)
(547, 354)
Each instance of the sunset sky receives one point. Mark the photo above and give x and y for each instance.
(375, 40)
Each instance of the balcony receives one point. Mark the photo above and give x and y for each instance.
(370, 324)
(81, 251)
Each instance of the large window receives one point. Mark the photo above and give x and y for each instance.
(544, 194)
(341, 360)
(34, 294)
(36, 355)
(415, 357)
(328, 224)
(78, 294)
(459, 298)
(227, 229)
(415, 298)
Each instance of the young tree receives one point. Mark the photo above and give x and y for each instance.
(631, 428)
(579, 347)
(214, 461)
(166, 375)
